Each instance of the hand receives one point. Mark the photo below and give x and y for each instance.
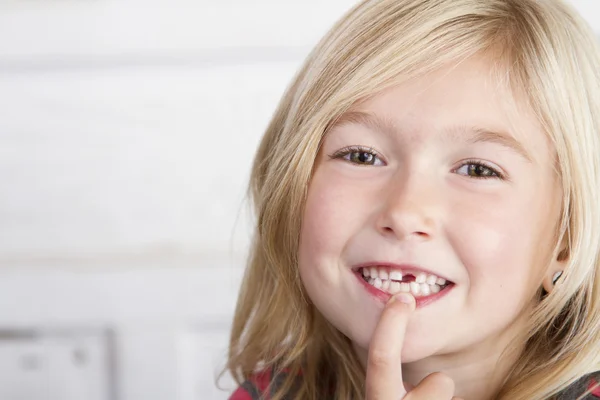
(384, 366)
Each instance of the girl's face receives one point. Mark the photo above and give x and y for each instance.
(445, 175)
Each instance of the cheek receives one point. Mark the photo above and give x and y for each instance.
(503, 241)
(318, 241)
(317, 236)
(331, 215)
(335, 210)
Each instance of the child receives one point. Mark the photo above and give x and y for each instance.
(428, 218)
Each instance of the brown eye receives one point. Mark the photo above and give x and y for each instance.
(362, 157)
(359, 155)
(478, 170)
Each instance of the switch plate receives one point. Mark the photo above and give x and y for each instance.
(50, 365)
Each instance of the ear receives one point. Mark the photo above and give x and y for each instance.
(555, 271)
(551, 279)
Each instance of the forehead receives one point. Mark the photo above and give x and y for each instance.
(469, 97)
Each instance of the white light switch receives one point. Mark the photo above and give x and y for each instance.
(71, 365)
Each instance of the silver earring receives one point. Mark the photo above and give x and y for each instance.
(556, 277)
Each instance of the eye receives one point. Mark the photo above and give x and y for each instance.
(478, 170)
(359, 155)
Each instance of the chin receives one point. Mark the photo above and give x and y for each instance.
(416, 346)
(412, 354)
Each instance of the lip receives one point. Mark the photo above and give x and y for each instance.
(384, 296)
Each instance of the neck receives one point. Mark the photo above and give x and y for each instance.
(476, 375)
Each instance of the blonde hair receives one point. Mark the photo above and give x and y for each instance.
(549, 55)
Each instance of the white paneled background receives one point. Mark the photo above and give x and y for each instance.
(127, 129)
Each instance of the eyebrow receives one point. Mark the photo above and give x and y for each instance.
(472, 134)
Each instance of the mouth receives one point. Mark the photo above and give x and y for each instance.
(385, 281)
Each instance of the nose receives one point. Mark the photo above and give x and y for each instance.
(410, 210)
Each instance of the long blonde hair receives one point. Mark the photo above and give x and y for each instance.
(550, 55)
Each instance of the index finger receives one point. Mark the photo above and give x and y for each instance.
(384, 365)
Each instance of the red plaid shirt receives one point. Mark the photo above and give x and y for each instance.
(257, 387)
(594, 387)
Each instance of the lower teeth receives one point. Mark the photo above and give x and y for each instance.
(416, 289)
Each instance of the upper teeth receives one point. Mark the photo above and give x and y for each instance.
(389, 280)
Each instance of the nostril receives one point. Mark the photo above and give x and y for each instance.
(404, 234)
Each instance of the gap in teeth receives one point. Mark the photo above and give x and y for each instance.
(392, 281)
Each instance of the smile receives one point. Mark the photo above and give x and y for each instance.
(393, 280)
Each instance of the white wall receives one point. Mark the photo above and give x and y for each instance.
(127, 129)
(126, 136)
